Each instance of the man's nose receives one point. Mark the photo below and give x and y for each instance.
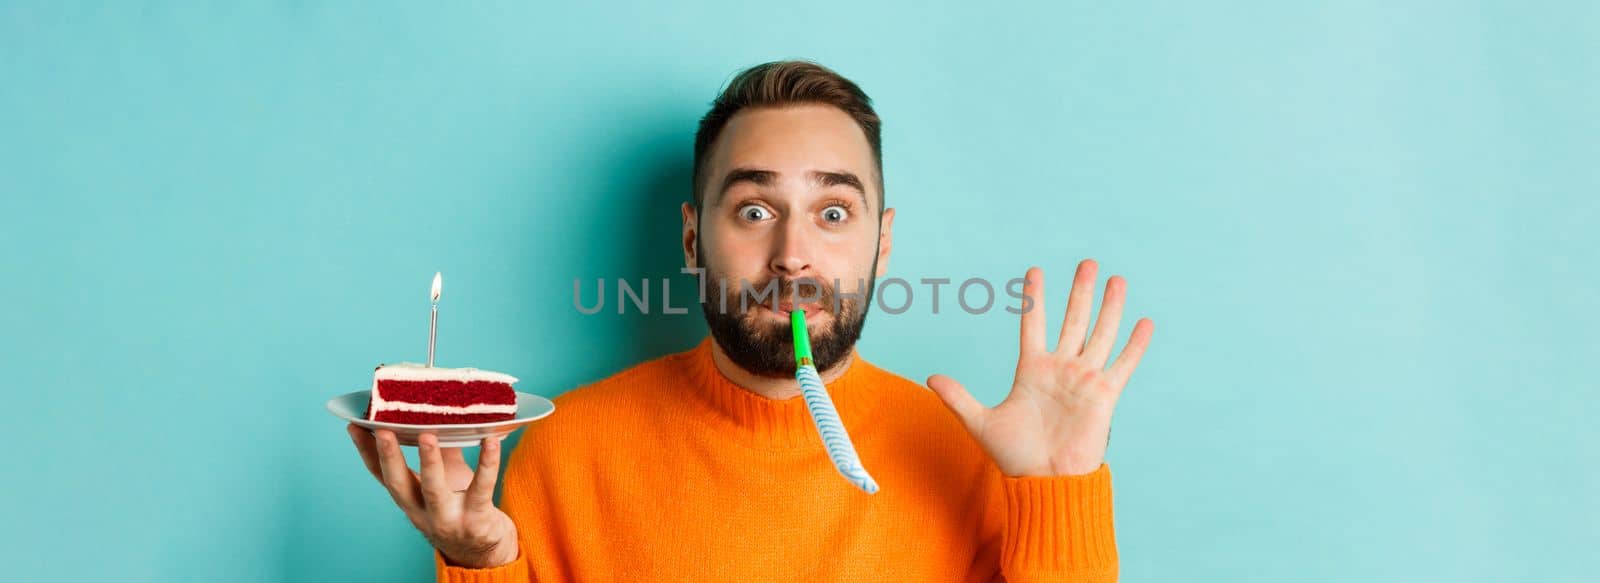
(791, 255)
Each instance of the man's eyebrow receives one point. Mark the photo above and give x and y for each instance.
(752, 175)
(841, 179)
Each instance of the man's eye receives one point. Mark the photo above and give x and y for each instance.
(753, 213)
(835, 214)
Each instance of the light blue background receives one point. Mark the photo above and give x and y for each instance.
(1365, 232)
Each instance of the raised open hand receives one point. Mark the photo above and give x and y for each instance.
(1057, 418)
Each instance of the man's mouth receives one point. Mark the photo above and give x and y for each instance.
(812, 309)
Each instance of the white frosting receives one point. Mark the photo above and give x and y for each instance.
(411, 371)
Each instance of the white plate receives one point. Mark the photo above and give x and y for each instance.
(352, 407)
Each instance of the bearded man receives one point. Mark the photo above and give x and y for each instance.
(705, 465)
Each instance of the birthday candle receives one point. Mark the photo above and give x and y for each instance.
(823, 414)
(433, 316)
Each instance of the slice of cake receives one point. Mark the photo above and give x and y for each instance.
(414, 394)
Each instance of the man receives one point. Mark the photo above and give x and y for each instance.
(704, 465)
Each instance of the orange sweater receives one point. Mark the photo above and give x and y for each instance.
(668, 471)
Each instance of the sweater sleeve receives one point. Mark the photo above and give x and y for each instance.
(1059, 529)
(513, 572)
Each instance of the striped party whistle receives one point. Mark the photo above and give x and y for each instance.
(823, 414)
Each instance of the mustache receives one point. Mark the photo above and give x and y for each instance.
(775, 291)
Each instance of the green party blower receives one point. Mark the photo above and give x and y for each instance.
(823, 414)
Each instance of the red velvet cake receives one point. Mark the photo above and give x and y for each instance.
(414, 394)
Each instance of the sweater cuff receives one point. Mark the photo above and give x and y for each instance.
(1060, 524)
(512, 572)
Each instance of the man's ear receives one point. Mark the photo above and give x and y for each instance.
(885, 241)
(691, 230)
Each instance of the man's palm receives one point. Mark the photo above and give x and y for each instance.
(1057, 418)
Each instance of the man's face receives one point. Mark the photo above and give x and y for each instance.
(791, 197)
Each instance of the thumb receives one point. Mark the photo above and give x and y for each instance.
(960, 402)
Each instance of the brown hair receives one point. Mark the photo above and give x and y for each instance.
(781, 83)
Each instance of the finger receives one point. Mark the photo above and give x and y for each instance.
(435, 488)
(396, 474)
(453, 458)
(368, 447)
(480, 494)
(959, 401)
(1122, 369)
(1033, 319)
(1105, 325)
(456, 471)
(1076, 324)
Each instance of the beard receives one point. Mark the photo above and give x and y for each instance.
(766, 348)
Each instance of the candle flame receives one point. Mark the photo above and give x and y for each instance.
(438, 283)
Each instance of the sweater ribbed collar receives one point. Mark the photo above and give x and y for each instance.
(772, 423)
